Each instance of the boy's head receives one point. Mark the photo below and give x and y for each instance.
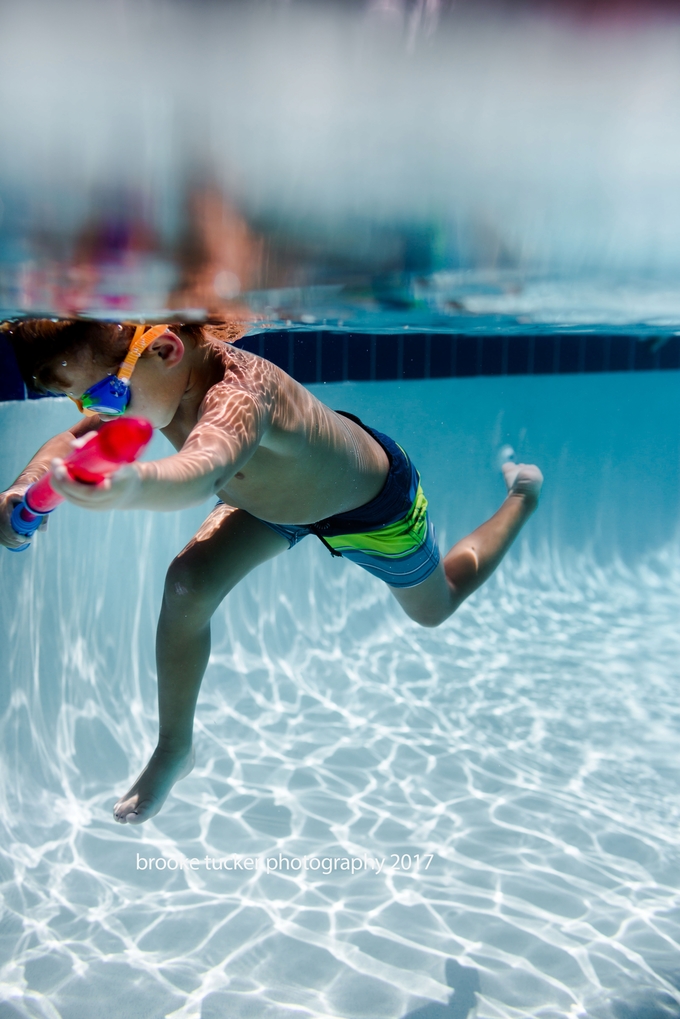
(69, 356)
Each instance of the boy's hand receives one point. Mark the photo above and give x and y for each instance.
(114, 492)
(8, 536)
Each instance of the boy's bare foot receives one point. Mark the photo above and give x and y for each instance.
(523, 479)
(147, 795)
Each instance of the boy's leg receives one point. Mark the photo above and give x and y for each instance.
(474, 558)
(227, 547)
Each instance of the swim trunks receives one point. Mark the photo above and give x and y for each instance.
(391, 536)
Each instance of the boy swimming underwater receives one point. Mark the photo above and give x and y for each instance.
(283, 466)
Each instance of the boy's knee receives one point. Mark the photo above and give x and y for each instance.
(179, 580)
(430, 622)
(429, 617)
(184, 593)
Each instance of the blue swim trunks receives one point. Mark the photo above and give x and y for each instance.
(391, 536)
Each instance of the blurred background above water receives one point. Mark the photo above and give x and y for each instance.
(455, 166)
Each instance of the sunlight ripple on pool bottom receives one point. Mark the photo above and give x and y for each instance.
(529, 746)
(531, 755)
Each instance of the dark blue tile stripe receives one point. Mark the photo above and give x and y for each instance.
(11, 384)
(328, 356)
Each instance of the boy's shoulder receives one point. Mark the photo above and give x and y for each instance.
(244, 374)
(243, 370)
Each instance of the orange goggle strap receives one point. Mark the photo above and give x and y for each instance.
(142, 339)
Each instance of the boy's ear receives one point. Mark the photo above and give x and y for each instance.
(169, 348)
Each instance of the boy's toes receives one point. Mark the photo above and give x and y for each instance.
(127, 815)
(127, 812)
(147, 795)
(523, 479)
(510, 472)
(121, 815)
(134, 818)
(135, 809)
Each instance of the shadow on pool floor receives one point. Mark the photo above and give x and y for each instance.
(464, 981)
(656, 1006)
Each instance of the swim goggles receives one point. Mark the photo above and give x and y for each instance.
(111, 395)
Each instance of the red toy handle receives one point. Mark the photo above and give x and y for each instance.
(117, 442)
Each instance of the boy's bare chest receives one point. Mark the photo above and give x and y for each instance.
(303, 484)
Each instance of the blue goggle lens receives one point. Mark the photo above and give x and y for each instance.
(108, 396)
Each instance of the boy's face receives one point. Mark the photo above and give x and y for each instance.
(157, 385)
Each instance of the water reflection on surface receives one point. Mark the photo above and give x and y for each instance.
(470, 165)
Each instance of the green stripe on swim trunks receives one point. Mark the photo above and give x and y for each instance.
(398, 539)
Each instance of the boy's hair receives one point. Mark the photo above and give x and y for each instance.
(42, 344)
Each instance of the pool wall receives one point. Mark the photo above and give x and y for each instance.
(608, 445)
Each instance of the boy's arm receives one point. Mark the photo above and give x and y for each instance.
(229, 431)
(57, 446)
(232, 424)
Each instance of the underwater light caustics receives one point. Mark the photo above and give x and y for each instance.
(95, 457)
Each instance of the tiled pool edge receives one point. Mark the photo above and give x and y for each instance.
(338, 356)
(330, 356)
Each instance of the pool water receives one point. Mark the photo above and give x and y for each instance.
(476, 820)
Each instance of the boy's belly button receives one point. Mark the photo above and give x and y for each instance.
(239, 476)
